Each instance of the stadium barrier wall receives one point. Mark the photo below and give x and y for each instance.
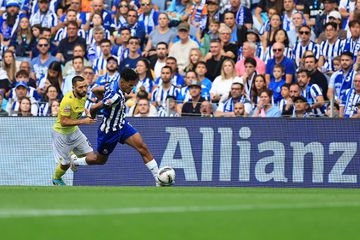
(234, 152)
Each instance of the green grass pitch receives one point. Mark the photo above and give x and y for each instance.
(178, 213)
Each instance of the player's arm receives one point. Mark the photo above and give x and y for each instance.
(95, 108)
(66, 121)
(99, 92)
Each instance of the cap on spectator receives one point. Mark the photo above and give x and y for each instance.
(12, 3)
(22, 83)
(112, 58)
(300, 98)
(195, 83)
(335, 14)
(184, 26)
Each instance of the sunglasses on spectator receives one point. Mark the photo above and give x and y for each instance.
(145, 4)
(304, 32)
(43, 45)
(277, 50)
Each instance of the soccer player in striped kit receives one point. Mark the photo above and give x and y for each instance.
(114, 127)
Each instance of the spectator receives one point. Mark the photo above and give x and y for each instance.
(54, 108)
(78, 64)
(222, 84)
(181, 49)
(20, 91)
(137, 28)
(177, 11)
(171, 108)
(285, 94)
(200, 70)
(9, 65)
(44, 33)
(322, 17)
(343, 79)
(111, 75)
(143, 107)
(352, 43)
(161, 34)
(97, 21)
(146, 79)
(230, 49)
(334, 17)
(176, 79)
(44, 16)
(329, 48)
(98, 6)
(206, 109)
(238, 32)
(66, 45)
(191, 108)
(258, 85)
(311, 92)
(249, 75)
(239, 110)
(213, 16)
(158, 60)
(264, 107)
(276, 6)
(164, 89)
(41, 63)
(269, 35)
(134, 56)
(301, 107)
(184, 94)
(100, 64)
(51, 94)
(195, 56)
(236, 95)
(55, 78)
(62, 31)
(289, 10)
(121, 48)
(94, 50)
(242, 13)
(248, 51)
(277, 82)
(23, 41)
(121, 14)
(316, 77)
(24, 107)
(295, 91)
(149, 16)
(280, 36)
(305, 44)
(79, 51)
(279, 58)
(214, 63)
(205, 37)
(350, 101)
(332, 113)
(9, 21)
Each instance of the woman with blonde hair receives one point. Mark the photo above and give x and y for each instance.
(194, 57)
(222, 84)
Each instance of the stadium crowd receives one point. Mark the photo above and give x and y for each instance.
(231, 58)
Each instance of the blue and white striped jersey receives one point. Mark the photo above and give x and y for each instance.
(299, 50)
(176, 80)
(160, 94)
(150, 21)
(349, 100)
(147, 83)
(229, 105)
(90, 36)
(311, 92)
(260, 52)
(351, 45)
(32, 6)
(342, 82)
(329, 51)
(44, 110)
(49, 19)
(100, 65)
(114, 111)
(62, 33)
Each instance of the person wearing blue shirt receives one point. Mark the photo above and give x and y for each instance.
(277, 82)
(264, 107)
(279, 58)
(134, 56)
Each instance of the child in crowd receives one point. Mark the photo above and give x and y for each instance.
(285, 94)
(277, 82)
(197, 16)
(213, 33)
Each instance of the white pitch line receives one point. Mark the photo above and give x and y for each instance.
(24, 213)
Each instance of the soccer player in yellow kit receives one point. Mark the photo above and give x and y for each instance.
(66, 135)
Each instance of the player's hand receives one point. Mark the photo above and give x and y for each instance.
(89, 121)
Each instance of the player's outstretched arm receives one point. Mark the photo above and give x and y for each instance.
(67, 121)
(99, 92)
(95, 108)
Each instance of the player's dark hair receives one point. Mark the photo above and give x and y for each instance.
(77, 79)
(128, 74)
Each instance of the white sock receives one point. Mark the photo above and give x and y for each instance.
(153, 167)
(80, 162)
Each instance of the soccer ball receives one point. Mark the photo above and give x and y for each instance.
(166, 176)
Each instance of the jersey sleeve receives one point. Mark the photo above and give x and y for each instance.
(65, 107)
(111, 98)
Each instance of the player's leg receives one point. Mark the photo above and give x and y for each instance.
(62, 157)
(137, 142)
(83, 151)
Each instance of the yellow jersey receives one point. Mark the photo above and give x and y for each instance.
(72, 107)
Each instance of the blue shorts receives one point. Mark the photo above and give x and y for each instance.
(106, 142)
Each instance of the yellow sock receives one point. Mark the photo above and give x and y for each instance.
(59, 172)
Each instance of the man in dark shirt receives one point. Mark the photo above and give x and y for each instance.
(213, 64)
(66, 46)
(192, 107)
(316, 77)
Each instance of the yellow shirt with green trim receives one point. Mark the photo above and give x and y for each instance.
(72, 107)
